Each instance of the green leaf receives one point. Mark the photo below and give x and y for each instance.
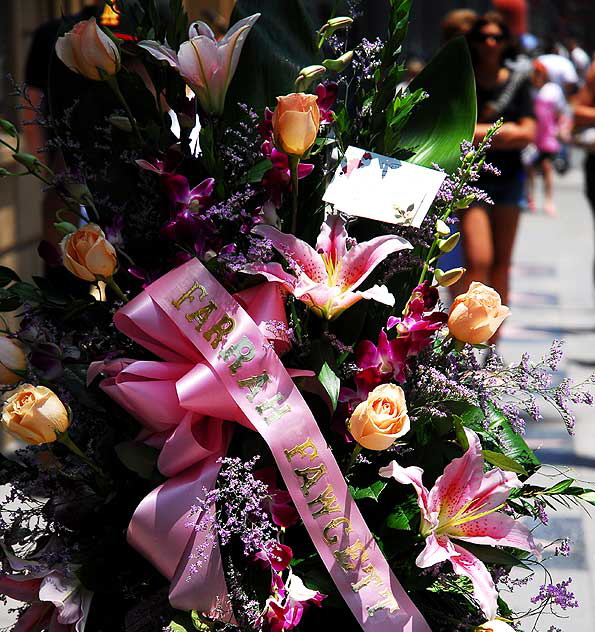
(559, 488)
(176, 627)
(138, 457)
(7, 276)
(331, 383)
(504, 462)
(257, 171)
(8, 301)
(373, 491)
(440, 123)
(398, 519)
(201, 623)
(493, 555)
(496, 429)
(26, 292)
(279, 45)
(460, 432)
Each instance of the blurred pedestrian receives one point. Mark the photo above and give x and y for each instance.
(550, 106)
(579, 57)
(457, 22)
(412, 68)
(489, 231)
(584, 121)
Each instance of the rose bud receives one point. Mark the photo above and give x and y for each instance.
(295, 123)
(476, 315)
(379, 421)
(88, 51)
(88, 254)
(12, 358)
(34, 414)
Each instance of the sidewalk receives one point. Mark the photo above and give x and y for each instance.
(552, 297)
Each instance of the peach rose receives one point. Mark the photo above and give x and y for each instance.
(476, 315)
(381, 419)
(34, 414)
(88, 254)
(87, 50)
(12, 358)
(295, 122)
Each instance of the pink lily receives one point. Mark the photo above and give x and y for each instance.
(464, 506)
(58, 603)
(205, 64)
(326, 279)
(286, 607)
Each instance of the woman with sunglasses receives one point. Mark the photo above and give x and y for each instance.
(502, 92)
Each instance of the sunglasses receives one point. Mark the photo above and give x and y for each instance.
(484, 37)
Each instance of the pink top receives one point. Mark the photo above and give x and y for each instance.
(549, 103)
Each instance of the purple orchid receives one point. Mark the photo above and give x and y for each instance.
(327, 95)
(286, 606)
(464, 505)
(277, 179)
(326, 279)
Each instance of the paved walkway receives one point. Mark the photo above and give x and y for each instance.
(552, 297)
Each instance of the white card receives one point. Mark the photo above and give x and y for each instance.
(369, 185)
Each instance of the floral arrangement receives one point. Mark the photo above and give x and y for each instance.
(237, 407)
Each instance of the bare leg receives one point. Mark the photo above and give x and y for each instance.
(548, 181)
(478, 248)
(531, 175)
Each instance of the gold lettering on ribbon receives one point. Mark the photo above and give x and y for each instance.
(310, 476)
(333, 524)
(189, 295)
(327, 501)
(219, 330)
(389, 603)
(352, 556)
(202, 315)
(243, 351)
(255, 383)
(371, 577)
(302, 450)
(271, 409)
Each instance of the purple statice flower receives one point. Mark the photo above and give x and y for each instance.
(241, 147)
(563, 548)
(241, 500)
(367, 57)
(556, 594)
(540, 512)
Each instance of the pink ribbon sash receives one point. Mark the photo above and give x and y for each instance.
(187, 316)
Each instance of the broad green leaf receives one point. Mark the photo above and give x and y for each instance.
(460, 432)
(176, 627)
(373, 491)
(7, 276)
(504, 462)
(331, 383)
(138, 457)
(398, 519)
(493, 555)
(279, 45)
(497, 430)
(440, 123)
(201, 623)
(559, 488)
(257, 171)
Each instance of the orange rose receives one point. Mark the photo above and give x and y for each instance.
(87, 50)
(88, 254)
(12, 358)
(476, 315)
(34, 414)
(381, 419)
(295, 123)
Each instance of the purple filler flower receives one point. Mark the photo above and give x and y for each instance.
(557, 594)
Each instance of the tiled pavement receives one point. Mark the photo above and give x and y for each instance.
(552, 296)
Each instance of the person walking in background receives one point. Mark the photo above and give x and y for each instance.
(457, 22)
(489, 231)
(583, 104)
(550, 107)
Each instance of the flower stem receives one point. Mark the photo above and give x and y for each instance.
(113, 84)
(64, 439)
(116, 289)
(354, 454)
(294, 162)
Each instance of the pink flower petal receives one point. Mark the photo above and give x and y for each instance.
(21, 590)
(484, 590)
(296, 250)
(409, 476)
(437, 549)
(362, 259)
(332, 240)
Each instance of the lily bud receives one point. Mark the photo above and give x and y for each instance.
(336, 24)
(27, 160)
(307, 76)
(8, 128)
(121, 122)
(446, 245)
(339, 64)
(450, 277)
(465, 202)
(442, 229)
(65, 228)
